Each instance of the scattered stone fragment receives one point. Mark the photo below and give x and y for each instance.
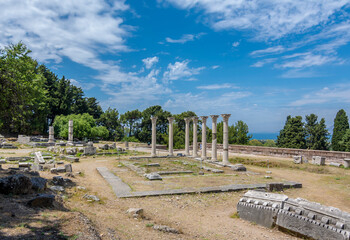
(298, 159)
(166, 229)
(58, 180)
(61, 169)
(135, 212)
(180, 155)
(59, 162)
(42, 200)
(153, 176)
(334, 164)
(91, 198)
(48, 166)
(71, 151)
(37, 167)
(153, 165)
(268, 177)
(38, 158)
(57, 188)
(2, 161)
(81, 188)
(268, 172)
(238, 167)
(68, 167)
(24, 164)
(53, 170)
(346, 162)
(318, 160)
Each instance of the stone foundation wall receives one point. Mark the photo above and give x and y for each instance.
(331, 156)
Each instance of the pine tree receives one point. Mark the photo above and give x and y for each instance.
(316, 133)
(293, 134)
(341, 124)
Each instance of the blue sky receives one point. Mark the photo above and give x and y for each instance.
(259, 60)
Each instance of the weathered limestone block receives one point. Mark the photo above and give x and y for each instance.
(71, 151)
(153, 176)
(346, 162)
(260, 207)
(298, 159)
(306, 218)
(334, 164)
(238, 167)
(90, 149)
(68, 167)
(318, 160)
(38, 158)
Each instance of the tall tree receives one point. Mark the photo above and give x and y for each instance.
(130, 118)
(110, 120)
(316, 133)
(242, 133)
(293, 134)
(341, 124)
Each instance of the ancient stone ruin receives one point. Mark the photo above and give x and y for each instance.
(300, 216)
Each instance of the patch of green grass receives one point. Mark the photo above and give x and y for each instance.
(149, 225)
(235, 215)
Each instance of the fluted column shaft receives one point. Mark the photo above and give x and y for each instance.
(70, 131)
(214, 140)
(187, 136)
(204, 137)
(195, 124)
(51, 134)
(171, 136)
(225, 139)
(154, 136)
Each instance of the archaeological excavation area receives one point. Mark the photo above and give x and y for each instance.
(57, 189)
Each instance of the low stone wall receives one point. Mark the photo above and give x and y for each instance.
(331, 156)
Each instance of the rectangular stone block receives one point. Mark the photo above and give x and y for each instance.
(318, 160)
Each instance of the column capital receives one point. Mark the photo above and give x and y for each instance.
(187, 120)
(154, 119)
(195, 119)
(171, 119)
(225, 117)
(214, 117)
(204, 119)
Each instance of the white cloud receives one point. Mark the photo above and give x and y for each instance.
(205, 103)
(263, 62)
(180, 70)
(81, 30)
(215, 66)
(185, 38)
(84, 86)
(270, 19)
(235, 44)
(217, 86)
(307, 60)
(337, 93)
(270, 50)
(149, 62)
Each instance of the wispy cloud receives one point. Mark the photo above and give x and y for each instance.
(217, 86)
(149, 62)
(270, 19)
(235, 44)
(270, 50)
(185, 38)
(180, 70)
(332, 94)
(84, 86)
(263, 62)
(307, 60)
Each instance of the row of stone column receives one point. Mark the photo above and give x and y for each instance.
(204, 136)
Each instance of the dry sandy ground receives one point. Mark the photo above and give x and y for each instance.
(197, 216)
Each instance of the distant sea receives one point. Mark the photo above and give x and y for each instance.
(264, 136)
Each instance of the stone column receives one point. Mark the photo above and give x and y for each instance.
(51, 135)
(154, 136)
(171, 136)
(70, 131)
(214, 141)
(225, 139)
(187, 136)
(204, 137)
(195, 123)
